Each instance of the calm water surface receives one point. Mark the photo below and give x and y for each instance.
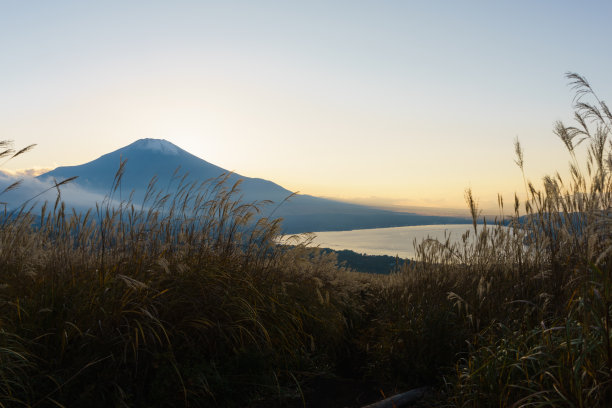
(388, 241)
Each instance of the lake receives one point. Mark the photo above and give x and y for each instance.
(388, 241)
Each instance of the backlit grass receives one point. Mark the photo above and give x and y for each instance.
(187, 300)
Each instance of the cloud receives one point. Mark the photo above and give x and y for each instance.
(34, 192)
(31, 172)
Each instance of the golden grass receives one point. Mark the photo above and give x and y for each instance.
(187, 300)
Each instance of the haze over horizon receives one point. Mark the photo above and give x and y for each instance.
(395, 103)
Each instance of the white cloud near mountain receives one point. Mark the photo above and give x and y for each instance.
(30, 172)
(35, 192)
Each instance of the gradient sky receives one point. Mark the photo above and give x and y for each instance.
(399, 102)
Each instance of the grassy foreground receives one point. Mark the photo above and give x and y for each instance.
(184, 301)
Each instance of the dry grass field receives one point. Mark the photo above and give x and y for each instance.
(186, 300)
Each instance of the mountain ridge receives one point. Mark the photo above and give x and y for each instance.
(147, 158)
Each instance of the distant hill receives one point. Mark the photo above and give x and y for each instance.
(381, 264)
(147, 158)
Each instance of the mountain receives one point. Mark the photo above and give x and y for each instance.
(147, 158)
(154, 157)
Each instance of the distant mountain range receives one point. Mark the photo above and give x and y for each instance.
(147, 158)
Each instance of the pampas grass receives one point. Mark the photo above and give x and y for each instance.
(187, 299)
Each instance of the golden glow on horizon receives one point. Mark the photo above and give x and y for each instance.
(243, 130)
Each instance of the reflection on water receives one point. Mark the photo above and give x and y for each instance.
(389, 241)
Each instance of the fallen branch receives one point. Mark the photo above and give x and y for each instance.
(400, 400)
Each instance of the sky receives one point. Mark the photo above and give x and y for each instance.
(398, 103)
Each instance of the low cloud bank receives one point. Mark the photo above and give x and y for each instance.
(31, 172)
(34, 192)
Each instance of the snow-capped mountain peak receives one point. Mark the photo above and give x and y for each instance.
(159, 145)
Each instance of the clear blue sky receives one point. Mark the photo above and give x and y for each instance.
(398, 101)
